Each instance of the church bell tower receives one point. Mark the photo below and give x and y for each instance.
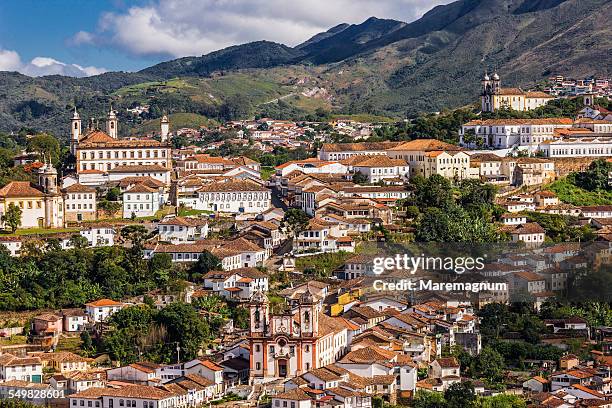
(111, 123)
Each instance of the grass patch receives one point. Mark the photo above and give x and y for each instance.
(365, 117)
(572, 194)
(323, 264)
(13, 340)
(39, 231)
(69, 344)
(186, 212)
(266, 172)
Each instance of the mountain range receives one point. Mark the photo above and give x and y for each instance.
(381, 66)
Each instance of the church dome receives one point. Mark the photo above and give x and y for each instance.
(486, 77)
(495, 77)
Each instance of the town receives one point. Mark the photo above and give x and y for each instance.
(244, 265)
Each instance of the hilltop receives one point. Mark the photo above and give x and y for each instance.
(381, 66)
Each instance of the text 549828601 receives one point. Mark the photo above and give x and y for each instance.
(35, 394)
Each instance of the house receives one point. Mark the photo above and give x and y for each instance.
(513, 219)
(295, 398)
(99, 235)
(445, 369)
(136, 395)
(378, 168)
(63, 361)
(137, 373)
(41, 203)
(209, 370)
(311, 166)
(141, 201)
(239, 284)
(569, 378)
(546, 198)
(79, 203)
(233, 197)
(536, 384)
(341, 151)
(526, 282)
(20, 368)
(74, 320)
(531, 233)
(426, 157)
(182, 229)
(47, 323)
(99, 310)
(568, 362)
(323, 236)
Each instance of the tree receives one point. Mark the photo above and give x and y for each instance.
(161, 266)
(596, 177)
(489, 364)
(184, 327)
(502, 401)
(45, 145)
(206, 262)
(78, 241)
(454, 225)
(460, 395)
(427, 399)
(294, 221)
(435, 191)
(12, 217)
(359, 178)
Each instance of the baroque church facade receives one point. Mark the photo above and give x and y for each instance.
(296, 340)
(493, 97)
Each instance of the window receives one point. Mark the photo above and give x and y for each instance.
(121, 403)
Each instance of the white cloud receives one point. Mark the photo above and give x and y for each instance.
(194, 27)
(39, 66)
(82, 37)
(9, 60)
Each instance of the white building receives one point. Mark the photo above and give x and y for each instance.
(141, 201)
(596, 146)
(235, 197)
(182, 229)
(101, 309)
(507, 133)
(378, 168)
(311, 166)
(323, 236)
(79, 203)
(98, 152)
(20, 368)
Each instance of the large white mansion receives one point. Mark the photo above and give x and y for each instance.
(102, 156)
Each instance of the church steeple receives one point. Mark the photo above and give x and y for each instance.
(75, 131)
(47, 177)
(111, 123)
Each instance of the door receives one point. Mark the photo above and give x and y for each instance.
(282, 367)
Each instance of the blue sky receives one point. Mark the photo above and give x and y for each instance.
(85, 37)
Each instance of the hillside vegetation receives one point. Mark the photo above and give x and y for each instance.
(378, 67)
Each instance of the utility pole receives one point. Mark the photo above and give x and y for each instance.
(178, 353)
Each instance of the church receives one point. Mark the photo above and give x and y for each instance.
(494, 97)
(41, 204)
(102, 156)
(296, 340)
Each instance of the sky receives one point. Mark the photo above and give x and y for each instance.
(88, 37)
